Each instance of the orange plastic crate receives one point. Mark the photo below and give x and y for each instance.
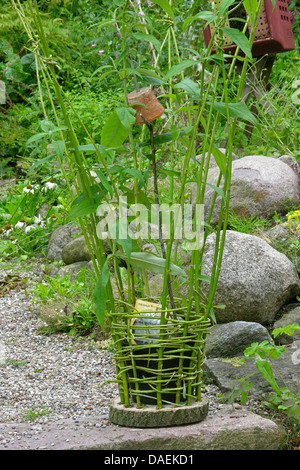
(274, 32)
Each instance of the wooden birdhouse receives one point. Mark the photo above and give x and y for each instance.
(274, 32)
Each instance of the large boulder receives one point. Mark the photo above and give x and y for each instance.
(227, 373)
(231, 339)
(60, 237)
(259, 186)
(255, 279)
(293, 164)
(73, 270)
(212, 161)
(75, 251)
(290, 318)
(279, 233)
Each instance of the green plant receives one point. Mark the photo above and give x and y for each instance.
(289, 247)
(293, 220)
(277, 109)
(73, 296)
(33, 414)
(71, 36)
(93, 108)
(16, 363)
(240, 393)
(126, 160)
(264, 354)
(23, 230)
(5, 169)
(244, 224)
(279, 130)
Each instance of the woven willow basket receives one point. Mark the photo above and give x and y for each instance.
(158, 357)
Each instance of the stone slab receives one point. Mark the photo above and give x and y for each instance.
(229, 429)
(151, 417)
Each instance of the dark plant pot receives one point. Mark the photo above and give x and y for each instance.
(146, 368)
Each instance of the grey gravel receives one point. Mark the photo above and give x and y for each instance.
(58, 375)
(46, 379)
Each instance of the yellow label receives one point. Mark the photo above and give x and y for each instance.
(144, 306)
(144, 318)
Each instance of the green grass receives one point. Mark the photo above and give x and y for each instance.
(246, 225)
(32, 414)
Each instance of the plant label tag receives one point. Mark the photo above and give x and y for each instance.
(144, 306)
(147, 331)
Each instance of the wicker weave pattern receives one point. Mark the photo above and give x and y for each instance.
(162, 354)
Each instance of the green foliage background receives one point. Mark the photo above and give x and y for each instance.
(76, 30)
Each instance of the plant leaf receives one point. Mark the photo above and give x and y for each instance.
(206, 16)
(47, 125)
(201, 277)
(114, 132)
(100, 296)
(251, 8)
(220, 159)
(148, 38)
(59, 147)
(108, 187)
(179, 68)
(164, 4)
(288, 330)
(151, 72)
(265, 370)
(145, 260)
(132, 172)
(217, 189)
(85, 207)
(126, 116)
(90, 148)
(140, 197)
(224, 5)
(239, 39)
(190, 87)
(36, 137)
(168, 136)
(41, 162)
(122, 236)
(236, 110)
(96, 194)
(104, 67)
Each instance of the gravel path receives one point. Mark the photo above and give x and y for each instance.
(48, 378)
(51, 379)
(60, 373)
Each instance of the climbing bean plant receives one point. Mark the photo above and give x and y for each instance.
(147, 165)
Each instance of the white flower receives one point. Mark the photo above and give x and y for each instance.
(38, 221)
(30, 189)
(28, 228)
(49, 185)
(8, 229)
(20, 224)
